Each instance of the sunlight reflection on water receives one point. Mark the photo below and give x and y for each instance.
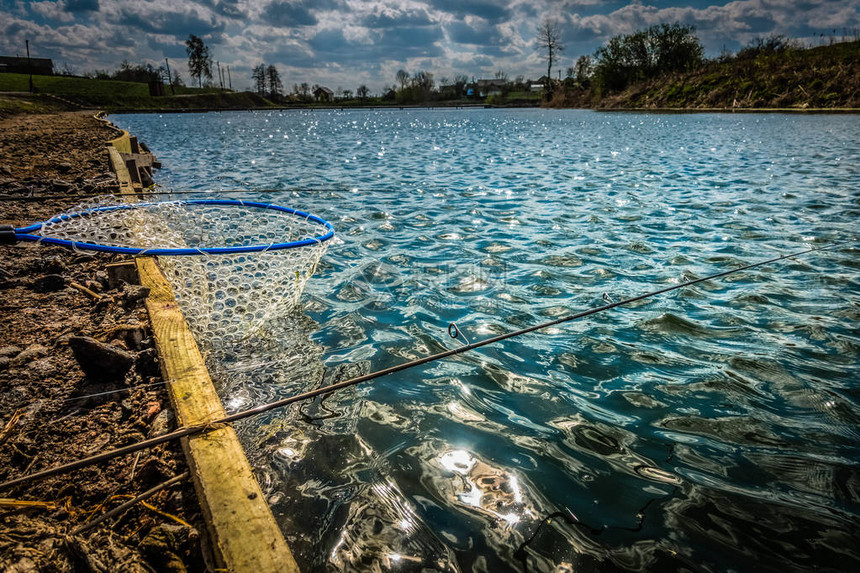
(714, 428)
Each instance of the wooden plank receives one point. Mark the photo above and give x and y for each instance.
(122, 143)
(241, 525)
(126, 184)
(131, 165)
(142, 159)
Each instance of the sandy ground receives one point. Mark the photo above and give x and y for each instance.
(58, 346)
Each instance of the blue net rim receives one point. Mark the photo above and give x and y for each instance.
(23, 233)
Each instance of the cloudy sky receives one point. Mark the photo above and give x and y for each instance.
(344, 43)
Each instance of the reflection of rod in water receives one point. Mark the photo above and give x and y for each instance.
(198, 428)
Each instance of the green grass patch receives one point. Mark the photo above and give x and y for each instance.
(80, 87)
(113, 94)
(525, 95)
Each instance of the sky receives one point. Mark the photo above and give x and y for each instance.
(346, 43)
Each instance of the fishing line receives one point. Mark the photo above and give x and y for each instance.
(41, 401)
(263, 408)
(215, 193)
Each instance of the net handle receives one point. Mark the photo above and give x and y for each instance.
(23, 233)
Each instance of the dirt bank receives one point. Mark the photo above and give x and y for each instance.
(59, 345)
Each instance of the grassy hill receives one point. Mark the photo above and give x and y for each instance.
(113, 95)
(827, 77)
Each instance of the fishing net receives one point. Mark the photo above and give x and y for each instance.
(233, 265)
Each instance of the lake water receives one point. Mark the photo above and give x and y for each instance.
(714, 428)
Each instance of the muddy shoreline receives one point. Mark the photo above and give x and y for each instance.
(79, 375)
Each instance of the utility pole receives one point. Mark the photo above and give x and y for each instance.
(220, 76)
(169, 77)
(29, 66)
(230, 78)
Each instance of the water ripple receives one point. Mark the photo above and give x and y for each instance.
(712, 429)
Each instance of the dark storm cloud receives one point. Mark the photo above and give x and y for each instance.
(287, 14)
(486, 9)
(290, 55)
(229, 8)
(393, 44)
(481, 34)
(75, 6)
(172, 24)
(391, 20)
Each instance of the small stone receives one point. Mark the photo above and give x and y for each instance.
(153, 471)
(134, 293)
(32, 352)
(49, 283)
(100, 361)
(163, 544)
(53, 266)
(9, 351)
(102, 278)
(131, 335)
(64, 167)
(61, 186)
(153, 407)
(43, 367)
(147, 363)
(161, 424)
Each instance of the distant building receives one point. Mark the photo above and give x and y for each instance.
(323, 94)
(36, 66)
(450, 90)
(486, 88)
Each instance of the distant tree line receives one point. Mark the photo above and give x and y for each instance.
(646, 54)
(143, 73)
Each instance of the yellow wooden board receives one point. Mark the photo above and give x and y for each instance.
(241, 525)
(126, 185)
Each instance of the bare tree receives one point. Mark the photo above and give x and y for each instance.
(258, 76)
(362, 92)
(402, 78)
(273, 79)
(549, 40)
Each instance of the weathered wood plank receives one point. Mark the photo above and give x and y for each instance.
(242, 527)
(122, 143)
(126, 184)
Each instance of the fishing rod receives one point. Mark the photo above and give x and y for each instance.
(263, 408)
(26, 198)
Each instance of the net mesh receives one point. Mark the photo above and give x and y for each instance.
(227, 296)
